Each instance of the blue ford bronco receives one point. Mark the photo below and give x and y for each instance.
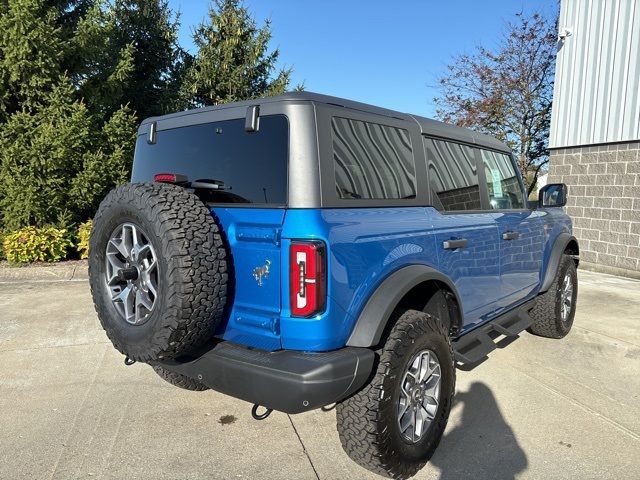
(305, 250)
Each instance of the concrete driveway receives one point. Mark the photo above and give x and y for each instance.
(70, 408)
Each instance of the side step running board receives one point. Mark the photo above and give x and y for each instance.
(473, 347)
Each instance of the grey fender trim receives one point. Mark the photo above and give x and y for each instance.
(554, 259)
(373, 318)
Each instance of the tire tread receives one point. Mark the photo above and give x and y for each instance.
(359, 418)
(179, 380)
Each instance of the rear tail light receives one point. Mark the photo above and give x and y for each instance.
(307, 270)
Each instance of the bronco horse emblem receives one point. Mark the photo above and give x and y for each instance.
(261, 272)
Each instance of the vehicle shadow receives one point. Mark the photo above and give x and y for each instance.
(482, 445)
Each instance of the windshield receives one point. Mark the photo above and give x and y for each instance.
(252, 167)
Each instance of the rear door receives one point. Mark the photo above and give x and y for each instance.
(466, 234)
(250, 169)
(520, 229)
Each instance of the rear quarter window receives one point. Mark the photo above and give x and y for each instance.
(253, 166)
(372, 161)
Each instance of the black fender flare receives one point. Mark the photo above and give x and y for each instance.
(373, 319)
(559, 246)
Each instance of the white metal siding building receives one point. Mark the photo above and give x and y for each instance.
(595, 129)
(597, 88)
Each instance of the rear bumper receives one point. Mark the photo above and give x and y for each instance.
(286, 380)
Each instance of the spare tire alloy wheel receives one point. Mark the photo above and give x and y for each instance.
(132, 273)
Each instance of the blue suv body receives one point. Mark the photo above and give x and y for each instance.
(368, 239)
(336, 215)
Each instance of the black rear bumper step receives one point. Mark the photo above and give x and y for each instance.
(285, 380)
(473, 347)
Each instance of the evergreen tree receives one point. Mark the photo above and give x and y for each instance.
(103, 66)
(147, 66)
(55, 165)
(67, 14)
(57, 157)
(106, 167)
(30, 54)
(152, 28)
(76, 76)
(233, 60)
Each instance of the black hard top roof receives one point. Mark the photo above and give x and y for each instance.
(427, 125)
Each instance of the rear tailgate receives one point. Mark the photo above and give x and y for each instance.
(253, 235)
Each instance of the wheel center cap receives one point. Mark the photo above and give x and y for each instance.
(128, 274)
(416, 395)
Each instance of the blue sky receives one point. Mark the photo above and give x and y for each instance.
(380, 52)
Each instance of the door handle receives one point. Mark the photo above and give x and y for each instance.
(510, 235)
(453, 244)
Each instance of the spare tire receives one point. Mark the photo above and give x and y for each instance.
(157, 269)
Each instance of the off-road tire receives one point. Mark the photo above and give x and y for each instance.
(192, 275)
(546, 314)
(179, 380)
(367, 421)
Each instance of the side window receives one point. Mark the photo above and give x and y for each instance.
(372, 161)
(502, 181)
(453, 176)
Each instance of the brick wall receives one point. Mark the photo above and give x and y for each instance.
(465, 198)
(604, 203)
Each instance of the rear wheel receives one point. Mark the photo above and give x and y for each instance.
(555, 309)
(179, 380)
(393, 425)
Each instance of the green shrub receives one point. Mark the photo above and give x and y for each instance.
(33, 244)
(84, 231)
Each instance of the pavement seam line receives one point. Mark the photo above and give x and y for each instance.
(77, 414)
(595, 275)
(43, 347)
(304, 449)
(571, 379)
(607, 336)
(107, 457)
(23, 281)
(581, 405)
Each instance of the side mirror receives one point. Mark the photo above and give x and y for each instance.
(553, 195)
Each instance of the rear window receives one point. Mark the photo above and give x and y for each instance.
(253, 166)
(372, 161)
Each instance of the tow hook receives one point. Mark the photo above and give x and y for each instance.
(262, 416)
(128, 361)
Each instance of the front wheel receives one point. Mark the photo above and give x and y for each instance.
(393, 425)
(555, 309)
